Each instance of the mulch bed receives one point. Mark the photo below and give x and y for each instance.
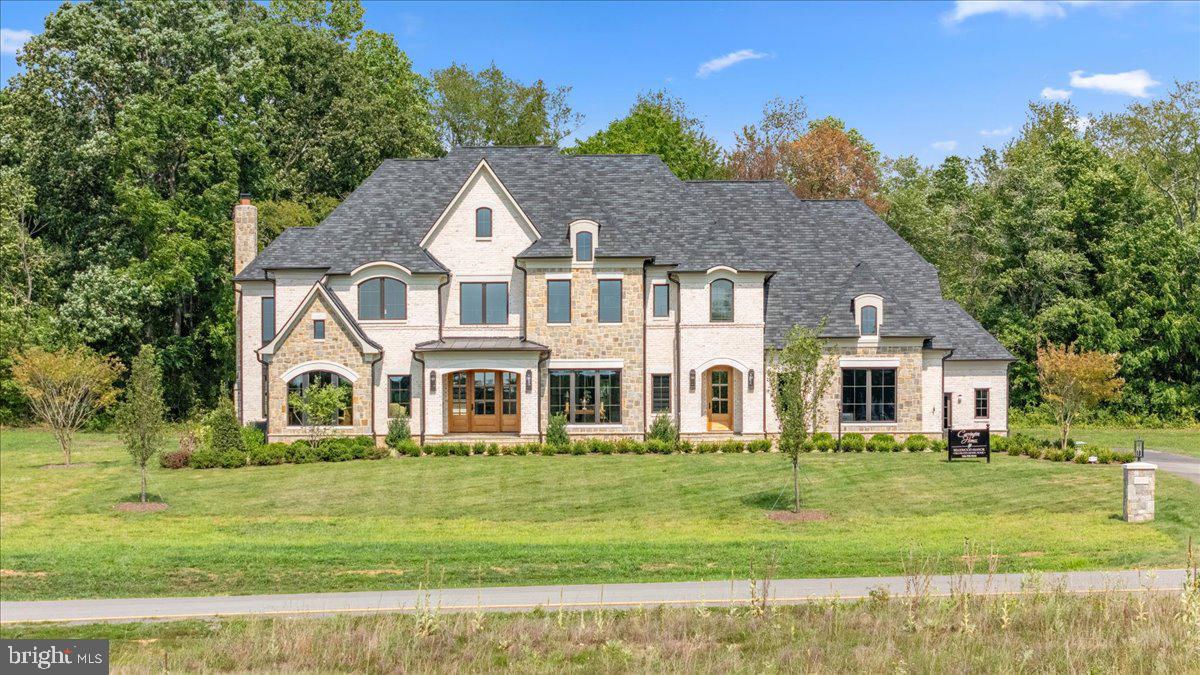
(140, 507)
(804, 516)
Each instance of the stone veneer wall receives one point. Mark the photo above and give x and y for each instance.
(586, 338)
(300, 347)
(909, 400)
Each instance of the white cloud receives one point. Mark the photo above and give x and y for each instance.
(11, 40)
(1130, 83)
(1003, 131)
(1081, 123)
(1037, 10)
(722, 62)
(1052, 94)
(945, 146)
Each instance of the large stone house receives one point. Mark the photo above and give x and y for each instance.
(488, 289)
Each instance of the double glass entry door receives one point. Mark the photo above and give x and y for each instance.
(484, 401)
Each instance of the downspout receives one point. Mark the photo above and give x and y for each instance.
(671, 276)
(542, 358)
(524, 295)
(949, 422)
(439, 294)
(424, 389)
(645, 370)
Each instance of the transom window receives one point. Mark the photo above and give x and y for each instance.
(399, 395)
(586, 396)
(868, 322)
(720, 300)
(558, 301)
(982, 401)
(483, 303)
(583, 246)
(662, 300)
(483, 222)
(610, 301)
(382, 298)
(868, 394)
(660, 393)
(301, 383)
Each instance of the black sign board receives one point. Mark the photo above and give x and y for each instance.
(968, 444)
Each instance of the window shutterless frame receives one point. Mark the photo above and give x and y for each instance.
(268, 319)
(382, 298)
(660, 393)
(580, 395)
(486, 289)
(662, 300)
(859, 387)
(720, 284)
(551, 284)
(318, 329)
(983, 403)
(608, 283)
(483, 223)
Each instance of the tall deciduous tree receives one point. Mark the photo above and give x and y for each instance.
(660, 124)
(1074, 380)
(491, 108)
(799, 376)
(66, 388)
(140, 417)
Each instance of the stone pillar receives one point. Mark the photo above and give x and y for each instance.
(1139, 492)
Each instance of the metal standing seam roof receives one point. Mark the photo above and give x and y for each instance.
(480, 344)
(822, 253)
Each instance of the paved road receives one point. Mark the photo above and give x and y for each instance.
(525, 598)
(1180, 465)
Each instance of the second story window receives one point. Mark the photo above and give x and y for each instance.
(610, 301)
(583, 246)
(483, 223)
(720, 300)
(268, 319)
(382, 298)
(662, 300)
(483, 303)
(558, 301)
(869, 324)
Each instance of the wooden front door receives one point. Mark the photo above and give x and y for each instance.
(484, 401)
(719, 385)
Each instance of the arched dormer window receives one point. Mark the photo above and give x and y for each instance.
(868, 320)
(583, 246)
(720, 300)
(382, 298)
(483, 223)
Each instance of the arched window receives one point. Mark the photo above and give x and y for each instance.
(868, 322)
(483, 222)
(315, 378)
(382, 298)
(583, 246)
(720, 300)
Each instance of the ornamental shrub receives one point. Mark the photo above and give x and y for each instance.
(556, 431)
(853, 442)
(731, 447)
(580, 447)
(761, 445)
(524, 448)
(1081, 458)
(1123, 457)
(224, 433)
(399, 430)
(627, 446)
(176, 459)
(1055, 455)
(663, 428)
(882, 443)
(407, 447)
(916, 443)
(252, 437)
(479, 448)
(268, 454)
(301, 452)
(685, 446)
(657, 446)
(824, 441)
(937, 445)
(1104, 455)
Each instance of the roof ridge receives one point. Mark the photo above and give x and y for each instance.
(540, 146)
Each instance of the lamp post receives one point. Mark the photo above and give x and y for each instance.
(1139, 449)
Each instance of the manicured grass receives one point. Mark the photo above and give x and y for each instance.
(454, 521)
(1179, 441)
(1033, 632)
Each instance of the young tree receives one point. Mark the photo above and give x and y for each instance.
(660, 124)
(140, 417)
(319, 406)
(66, 388)
(799, 378)
(1075, 380)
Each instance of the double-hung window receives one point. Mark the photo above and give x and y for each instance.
(558, 301)
(483, 303)
(869, 395)
(586, 396)
(982, 402)
(660, 393)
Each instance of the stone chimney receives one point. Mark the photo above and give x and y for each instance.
(245, 233)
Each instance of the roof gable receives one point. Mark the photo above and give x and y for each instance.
(482, 171)
(321, 293)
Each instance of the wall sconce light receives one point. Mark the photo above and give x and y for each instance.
(528, 381)
(692, 380)
(750, 381)
(433, 381)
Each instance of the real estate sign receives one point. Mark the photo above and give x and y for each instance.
(968, 444)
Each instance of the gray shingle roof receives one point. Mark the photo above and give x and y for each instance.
(820, 251)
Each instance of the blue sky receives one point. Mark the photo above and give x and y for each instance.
(925, 78)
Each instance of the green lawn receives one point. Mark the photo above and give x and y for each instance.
(525, 520)
(1180, 441)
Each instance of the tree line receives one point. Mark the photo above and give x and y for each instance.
(133, 127)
